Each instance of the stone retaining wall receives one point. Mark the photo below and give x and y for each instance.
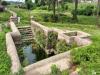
(43, 67)
(13, 38)
(15, 33)
(80, 39)
(12, 52)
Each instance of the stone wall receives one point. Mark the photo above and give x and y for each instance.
(13, 38)
(13, 17)
(70, 37)
(12, 52)
(15, 33)
(43, 67)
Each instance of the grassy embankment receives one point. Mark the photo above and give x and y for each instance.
(4, 58)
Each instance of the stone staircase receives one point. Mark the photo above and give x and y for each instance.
(26, 34)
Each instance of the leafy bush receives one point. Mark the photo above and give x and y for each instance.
(4, 3)
(66, 7)
(52, 39)
(54, 18)
(40, 38)
(38, 51)
(43, 7)
(62, 46)
(88, 57)
(46, 18)
(50, 18)
(87, 10)
(55, 70)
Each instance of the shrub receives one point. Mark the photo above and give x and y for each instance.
(43, 7)
(66, 7)
(62, 46)
(38, 51)
(54, 18)
(87, 10)
(46, 18)
(52, 39)
(4, 3)
(40, 38)
(55, 70)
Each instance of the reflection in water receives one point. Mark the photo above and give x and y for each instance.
(31, 57)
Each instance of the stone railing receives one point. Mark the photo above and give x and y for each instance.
(13, 38)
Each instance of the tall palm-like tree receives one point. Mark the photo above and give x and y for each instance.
(54, 2)
(98, 11)
(75, 11)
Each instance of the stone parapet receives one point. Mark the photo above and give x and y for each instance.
(15, 33)
(43, 67)
(12, 52)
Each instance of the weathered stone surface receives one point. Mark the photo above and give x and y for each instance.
(13, 38)
(13, 17)
(12, 52)
(44, 67)
(15, 33)
(37, 25)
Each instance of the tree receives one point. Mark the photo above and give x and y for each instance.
(36, 2)
(49, 4)
(98, 11)
(75, 11)
(54, 7)
(4, 3)
(42, 2)
(29, 4)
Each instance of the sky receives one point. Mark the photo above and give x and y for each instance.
(18, 0)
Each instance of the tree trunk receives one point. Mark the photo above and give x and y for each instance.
(98, 10)
(75, 11)
(54, 8)
(49, 5)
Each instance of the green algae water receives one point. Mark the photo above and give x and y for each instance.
(28, 54)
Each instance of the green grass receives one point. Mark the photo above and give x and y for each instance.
(4, 16)
(23, 14)
(5, 63)
(4, 58)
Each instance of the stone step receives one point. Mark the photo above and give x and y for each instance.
(27, 37)
(23, 27)
(26, 33)
(27, 40)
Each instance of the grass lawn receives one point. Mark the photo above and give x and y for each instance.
(4, 58)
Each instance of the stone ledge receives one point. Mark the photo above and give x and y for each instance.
(44, 66)
(12, 52)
